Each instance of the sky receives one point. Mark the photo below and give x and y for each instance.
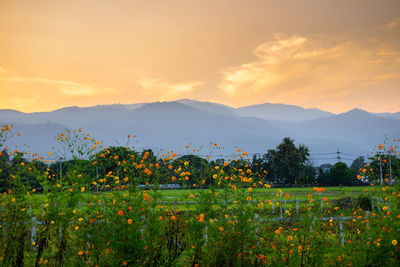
(333, 55)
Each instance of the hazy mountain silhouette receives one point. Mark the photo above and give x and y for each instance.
(172, 125)
(281, 112)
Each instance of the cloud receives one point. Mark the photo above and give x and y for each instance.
(393, 24)
(65, 87)
(311, 71)
(155, 87)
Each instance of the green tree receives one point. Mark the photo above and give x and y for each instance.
(287, 160)
(357, 164)
(340, 174)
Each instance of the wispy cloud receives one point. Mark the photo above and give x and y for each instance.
(393, 24)
(310, 71)
(155, 86)
(65, 87)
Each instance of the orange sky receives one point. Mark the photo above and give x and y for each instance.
(334, 55)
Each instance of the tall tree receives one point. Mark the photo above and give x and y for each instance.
(287, 160)
(357, 164)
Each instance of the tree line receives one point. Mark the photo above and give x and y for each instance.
(286, 165)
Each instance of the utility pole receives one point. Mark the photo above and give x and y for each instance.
(338, 155)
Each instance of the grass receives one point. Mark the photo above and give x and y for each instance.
(168, 197)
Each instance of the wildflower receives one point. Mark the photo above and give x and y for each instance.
(120, 213)
(394, 242)
(287, 195)
(82, 189)
(160, 218)
(324, 199)
(201, 218)
(129, 221)
(250, 189)
(80, 253)
(221, 229)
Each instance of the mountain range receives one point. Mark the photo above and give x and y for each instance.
(173, 125)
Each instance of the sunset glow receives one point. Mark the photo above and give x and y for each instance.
(334, 56)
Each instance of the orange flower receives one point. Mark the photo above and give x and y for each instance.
(287, 195)
(221, 229)
(191, 196)
(129, 221)
(324, 199)
(120, 213)
(80, 253)
(201, 218)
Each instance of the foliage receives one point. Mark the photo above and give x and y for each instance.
(287, 160)
(119, 223)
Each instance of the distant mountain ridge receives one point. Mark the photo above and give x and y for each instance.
(172, 125)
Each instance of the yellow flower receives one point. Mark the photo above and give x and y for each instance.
(76, 228)
(394, 242)
(82, 189)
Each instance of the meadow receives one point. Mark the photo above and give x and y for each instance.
(229, 217)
